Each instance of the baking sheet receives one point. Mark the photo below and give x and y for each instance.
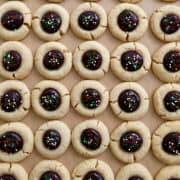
(70, 158)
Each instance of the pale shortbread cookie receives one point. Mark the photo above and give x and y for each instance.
(159, 17)
(129, 101)
(53, 33)
(18, 31)
(96, 28)
(52, 139)
(132, 154)
(42, 169)
(90, 138)
(55, 1)
(165, 65)
(136, 31)
(86, 169)
(11, 54)
(50, 99)
(62, 61)
(15, 100)
(166, 102)
(134, 170)
(91, 60)
(169, 172)
(15, 171)
(163, 134)
(128, 66)
(89, 98)
(23, 135)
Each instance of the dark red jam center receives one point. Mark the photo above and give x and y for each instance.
(10, 101)
(50, 175)
(91, 98)
(172, 101)
(171, 61)
(89, 20)
(11, 142)
(51, 22)
(12, 20)
(128, 20)
(92, 60)
(131, 61)
(50, 99)
(171, 143)
(129, 100)
(51, 139)
(131, 141)
(7, 177)
(11, 61)
(53, 60)
(174, 179)
(91, 139)
(93, 175)
(170, 23)
(135, 178)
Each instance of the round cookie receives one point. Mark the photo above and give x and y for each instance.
(129, 101)
(90, 138)
(89, 98)
(165, 23)
(127, 22)
(91, 60)
(50, 22)
(16, 60)
(15, 100)
(53, 60)
(130, 141)
(165, 143)
(16, 142)
(166, 101)
(130, 1)
(130, 61)
(55, 1)
(52, 139)
(49, 169)
(169, 172)
(166, 63)
(88, 21)
(50, 99)
(92, 169)
(15, 20)
(135, 171)
(12, 172)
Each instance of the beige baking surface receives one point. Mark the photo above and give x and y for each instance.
(149, 82)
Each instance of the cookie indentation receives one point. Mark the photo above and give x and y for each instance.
(135, 178)
(94, 175)
(50, 175)
(7, 177)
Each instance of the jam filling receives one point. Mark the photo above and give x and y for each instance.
(135, 178)
(50, 175)
(93, 175)
(7, 177)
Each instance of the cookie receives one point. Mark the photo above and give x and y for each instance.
(16, 142)
(55, 1)
(91, 60)
(92, 169)
(169, 172)
(135, 171)
(53, 60)
(49, 169)
(130, 61)
(89, 98)
(50, 99)
(52, 139)
(88, 21)
(166, 100)
(166, 63)
(15, 20)
(165, 23)
(165, 143)
(127, 22)
(16, 59)
(50, 22)
(130, 1)
(90, 138)
(169, 0)
(130, 141)
(12, 172)
(15, 100)
(129, 101)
